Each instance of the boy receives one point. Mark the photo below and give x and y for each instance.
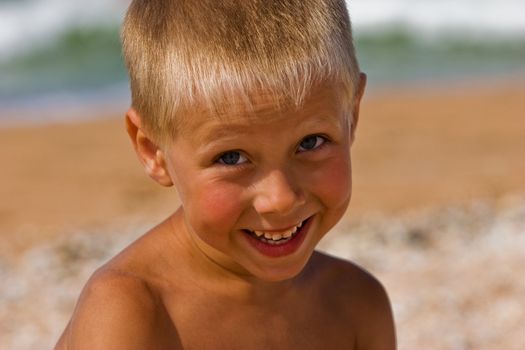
(248, 108)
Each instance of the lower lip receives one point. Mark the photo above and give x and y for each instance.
(279, 250)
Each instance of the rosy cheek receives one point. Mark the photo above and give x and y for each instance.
(334, 182)
(216, 206)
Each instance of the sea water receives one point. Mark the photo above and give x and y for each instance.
(428, 41)
(62, 51)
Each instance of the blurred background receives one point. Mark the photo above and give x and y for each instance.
(62, 52)
(438, 211)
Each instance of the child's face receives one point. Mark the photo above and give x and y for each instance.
(264, 173)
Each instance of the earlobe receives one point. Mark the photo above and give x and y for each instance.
(357, 104)
(150, 155)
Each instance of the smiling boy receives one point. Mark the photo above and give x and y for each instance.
(249, 109)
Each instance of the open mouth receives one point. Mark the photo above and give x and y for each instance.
(277, 237)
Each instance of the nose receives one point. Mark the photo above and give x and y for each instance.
(277, 193)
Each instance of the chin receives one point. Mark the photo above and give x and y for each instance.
(281, 272)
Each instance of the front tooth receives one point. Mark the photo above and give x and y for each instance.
(277, 236)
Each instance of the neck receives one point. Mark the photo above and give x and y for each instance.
(210, 269)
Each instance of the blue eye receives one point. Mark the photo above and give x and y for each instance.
(311, 142)
(232, 158)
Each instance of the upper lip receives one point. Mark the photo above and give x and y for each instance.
(273, 230)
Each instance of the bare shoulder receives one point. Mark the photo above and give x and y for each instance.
(363, 299)
(114, 311)
(121, 307)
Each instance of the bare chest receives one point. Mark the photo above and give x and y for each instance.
(265, 337)
(244, 327)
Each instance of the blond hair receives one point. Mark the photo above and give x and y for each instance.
(184, 53)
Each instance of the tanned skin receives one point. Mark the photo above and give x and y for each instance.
(193, 281)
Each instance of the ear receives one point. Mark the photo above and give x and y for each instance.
(150, 155)
(357, 103)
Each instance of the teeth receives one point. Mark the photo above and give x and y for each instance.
(278, 235)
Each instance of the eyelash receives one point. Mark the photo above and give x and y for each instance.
(324, 141)
(220, 163)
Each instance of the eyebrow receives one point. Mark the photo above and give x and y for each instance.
(217, 135)
(222, 129)
(221, 133)
(323, 118)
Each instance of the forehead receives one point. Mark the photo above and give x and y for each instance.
(261, 108)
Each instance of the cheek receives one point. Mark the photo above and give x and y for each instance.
(334, 182)
(214, 207)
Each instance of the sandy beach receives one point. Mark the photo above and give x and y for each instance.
(64, 187)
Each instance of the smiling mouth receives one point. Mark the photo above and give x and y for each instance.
(276, 237)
